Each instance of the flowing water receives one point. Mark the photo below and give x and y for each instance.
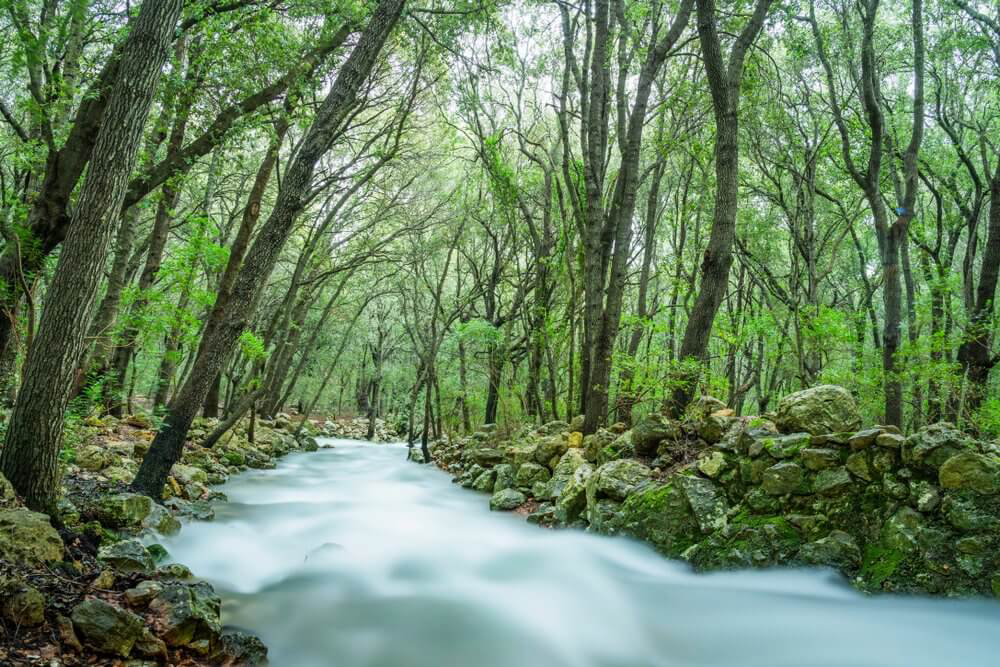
(353, 557)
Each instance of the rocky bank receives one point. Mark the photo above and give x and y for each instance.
(806, 485)
(96, 591)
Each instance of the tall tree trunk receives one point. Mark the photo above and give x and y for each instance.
(724, 82)
(217, 346)
(31, 447)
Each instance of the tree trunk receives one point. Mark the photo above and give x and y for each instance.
(30, 454)
(217, 346)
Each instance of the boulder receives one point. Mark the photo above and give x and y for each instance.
(143, 593)
(837, 549)
(712, 464)
(529, 473)
(617, 479)
(572, 500)
(127, 556)
(707, 501)
(507, 499)
(969, 470)
(28, 538)
(934, 444)
(818, 410)
(22, 605)
(551, 448)
(106, 628)
(786, 446)
(184, 613)
(485, 481)
(161, 521)
(123, 510)
(563, 473)
(661, 515)
(188, 475)
(504, 477)
(650, 430)
(240, 648)
(783, 478)
(92, 458)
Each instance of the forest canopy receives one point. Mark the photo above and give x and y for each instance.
(457, 212)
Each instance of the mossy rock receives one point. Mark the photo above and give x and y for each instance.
(28, 538)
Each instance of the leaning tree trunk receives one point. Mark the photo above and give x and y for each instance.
(217, 345)
(30, 455)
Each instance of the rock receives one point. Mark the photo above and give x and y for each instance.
(123, 510)
(529, 473)
(507, 499)
(240, 648)
(553, 427)
(706, 405)
(902, 531)
(926, 496)
(574, 440)
(650, 430)
(486, 456)
(714, 426)
(969, 470)
(23, 605)
(150, 645)
(143, 593)
(28, 538)
(161, 521)
(597, 446)
(712, 465)
(786, 446)
(857, 463)
(484, 482)
(185, 613)
(818, 410)
(188, 475)
(92, 458)
(127, 556)
(173, 571)
(616, 479)
(832, 480)
(708, 502)
(563, 472)
(783, 478)
(139, 421)
(572, 500)
(864, 438)
(308, 443)
(8, 497)
(105, 627)
(504, 477)
(105, 580)
(932, 445)
(838, 549)
(890, 440)
(819, 458)
(67, 634)
(551, 448)
(661, 515)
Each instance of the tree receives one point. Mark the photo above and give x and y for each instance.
(31, 445)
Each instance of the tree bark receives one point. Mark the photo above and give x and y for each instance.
(217, 346)
(30, 454)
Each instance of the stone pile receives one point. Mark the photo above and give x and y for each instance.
(101, 585)
(356, 429)
(804, 486)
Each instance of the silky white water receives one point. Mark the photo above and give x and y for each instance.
(353, 557)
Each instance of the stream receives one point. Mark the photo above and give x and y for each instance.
(354, 557)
